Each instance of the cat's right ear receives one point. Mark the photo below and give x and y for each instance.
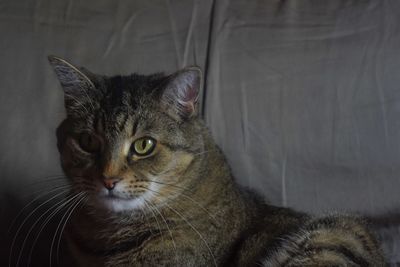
(77, 86)
(180, 97)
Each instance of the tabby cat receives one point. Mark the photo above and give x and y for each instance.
(155, 190)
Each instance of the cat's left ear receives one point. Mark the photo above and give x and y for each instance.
(79, 90)
(180, 97)
(71, 78)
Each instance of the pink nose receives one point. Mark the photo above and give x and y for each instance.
(110, 183)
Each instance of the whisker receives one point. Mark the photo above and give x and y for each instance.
(166, 224)
(173, 185)
(158, 223)
(90, 100)
(69, 212)
(45, 187)
(31, 202)
(195, 230)
(214, 222)
(31, 229)
(78, 102)
(40, 186)
(145, 217)
(197, 204)
(66, 201)
(33, 226)
(84, 197)
(23, 223)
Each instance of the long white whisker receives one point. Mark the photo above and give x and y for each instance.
(43, 225)
(88, 97)
(69, 212)
(193, 200)
(195, 230)
(165, 221)
(158, 223)
(145, 217)
(172, 185)
(23, 223)
(214, 221)
(45, 188)
(78, 102)
(31, 229)
(62, 230)
(32, 201)
(33, 226)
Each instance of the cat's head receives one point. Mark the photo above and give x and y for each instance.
(129, 142)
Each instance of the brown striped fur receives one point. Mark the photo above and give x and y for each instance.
(178, 206)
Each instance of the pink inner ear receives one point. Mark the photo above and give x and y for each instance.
(188, 107)
(189, 100)
(190, 95)
(181, 95)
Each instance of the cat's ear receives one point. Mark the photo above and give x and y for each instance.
(76, 84)
(71, 78)
(180, 97)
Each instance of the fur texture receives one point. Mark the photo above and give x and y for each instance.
(178, 205)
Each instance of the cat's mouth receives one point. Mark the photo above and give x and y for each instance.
(122, 198)
(117, 202)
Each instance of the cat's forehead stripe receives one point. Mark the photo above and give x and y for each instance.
(122, 119)
(135, 127)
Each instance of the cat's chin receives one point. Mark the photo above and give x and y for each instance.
(117, 204)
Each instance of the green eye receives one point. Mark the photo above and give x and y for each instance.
(144, 146)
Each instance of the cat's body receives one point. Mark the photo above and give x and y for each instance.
(169, 196)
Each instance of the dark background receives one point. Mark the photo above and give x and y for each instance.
(302, 96)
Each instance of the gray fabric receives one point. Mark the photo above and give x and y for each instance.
(305, 101)
(302, 96)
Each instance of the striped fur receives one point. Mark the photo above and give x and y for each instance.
(180, 205)
(328, 241)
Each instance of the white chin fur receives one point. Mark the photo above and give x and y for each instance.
(123, 204)
(119, 204)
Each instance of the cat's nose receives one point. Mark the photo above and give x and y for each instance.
(110, 183)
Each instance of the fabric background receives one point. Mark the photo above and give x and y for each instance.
(302, 96)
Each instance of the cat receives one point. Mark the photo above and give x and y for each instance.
(153, 189)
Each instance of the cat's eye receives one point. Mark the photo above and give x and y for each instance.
(89, 142)
(143, 146)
